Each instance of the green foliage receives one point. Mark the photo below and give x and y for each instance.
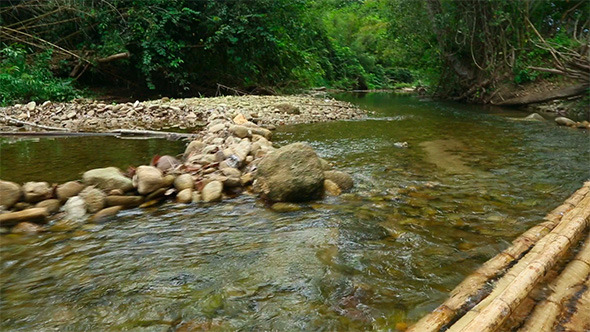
(181, 46)
(23, 80)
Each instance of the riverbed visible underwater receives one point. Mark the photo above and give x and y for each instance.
(422, 216)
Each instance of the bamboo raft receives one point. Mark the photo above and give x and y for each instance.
(540, 283)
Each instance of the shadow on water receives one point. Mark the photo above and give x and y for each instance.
(419, 220)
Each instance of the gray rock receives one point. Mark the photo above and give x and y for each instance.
(107, 179)
(31, 106)
(292, 173)
(217, 127)
(231, 172)
(68, 189)
(534, 117)
(166, 163)
(342, 179)
(75, 208)
(36, 191)
(94, 199)
(125, 201)
(285, 207)
(196, 197)
(147, 179)
(232, 182)
(185, 196)
(26, 228)
(331, 188)
(51, 205)
(241, 150)
(10, 193)
(563, 121)
(212, 191)
(106, 213)
(240, 131)
(288, 108)
(325, 164)
(194, 147)
(184, 181)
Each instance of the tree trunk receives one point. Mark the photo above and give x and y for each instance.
(459, 67)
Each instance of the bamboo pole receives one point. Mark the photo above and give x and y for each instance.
(545, 314)
(490, 313)
(580, 320)
(470, 289)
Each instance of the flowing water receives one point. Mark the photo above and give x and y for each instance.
(419, 220)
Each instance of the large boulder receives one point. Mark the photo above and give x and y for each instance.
(10, 193)
(148, 179)
(107, 179)
(292, 173)
(37, 191)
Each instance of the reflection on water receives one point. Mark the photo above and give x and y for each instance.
(376, 258)
(63, 159)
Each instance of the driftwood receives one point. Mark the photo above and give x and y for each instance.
(473, 287)
(113, 133)
(151, 133)
(514, 287)
(9, 119)
(54, 133)
(114, 57)
(13, 218)
(540, 97)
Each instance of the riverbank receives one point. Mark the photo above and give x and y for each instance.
(172, 114)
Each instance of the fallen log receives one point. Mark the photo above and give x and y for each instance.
(468, 292)
(10, 219)
(53, 133)
(114, 57)
(152, 133)
(114, 133)
(9, 120)
(546, 312)
(509, 292)
(540, 97)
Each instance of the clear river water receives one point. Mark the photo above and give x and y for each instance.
(420, 218)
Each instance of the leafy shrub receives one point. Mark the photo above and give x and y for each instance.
(400, 75)
(23, 81)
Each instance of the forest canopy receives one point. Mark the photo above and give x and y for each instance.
(50, 48)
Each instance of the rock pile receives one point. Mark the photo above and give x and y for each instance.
(96, 116)
(232, 154)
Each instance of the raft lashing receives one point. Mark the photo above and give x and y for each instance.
(540, 283)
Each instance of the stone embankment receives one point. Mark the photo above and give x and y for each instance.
(96, 116)
(232, 153)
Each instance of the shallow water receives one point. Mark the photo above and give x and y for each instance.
(419, 220)
(65, 158)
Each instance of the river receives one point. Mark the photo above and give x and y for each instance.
(440, 188)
